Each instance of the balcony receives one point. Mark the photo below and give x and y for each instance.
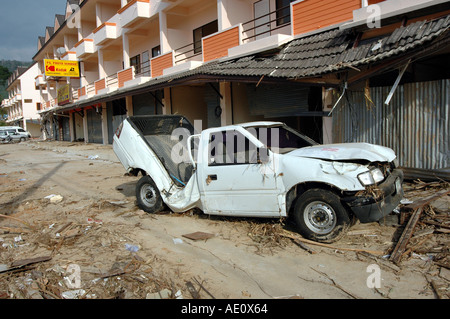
(104, 33)
(134, 12)
(216, 45)
(69, 56)
(6, 103)
(160, 63)
(17, 98)
(84, 48)
(40, 81)
(265, 32)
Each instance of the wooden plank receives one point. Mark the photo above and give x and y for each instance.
(26, 262)
(198, 236)
(428, 200)
(400, 248)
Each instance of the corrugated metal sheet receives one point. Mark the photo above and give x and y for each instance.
(277, 100)
(415, 125)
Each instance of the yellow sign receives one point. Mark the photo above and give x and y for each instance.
(64, 95)
(62, 68)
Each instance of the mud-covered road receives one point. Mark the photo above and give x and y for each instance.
(72, 230)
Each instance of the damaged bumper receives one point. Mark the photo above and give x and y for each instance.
(369, 208)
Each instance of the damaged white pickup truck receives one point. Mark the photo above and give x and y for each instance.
(259, 169)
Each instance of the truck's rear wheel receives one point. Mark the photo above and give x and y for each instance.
(148, 196)
(320, 216)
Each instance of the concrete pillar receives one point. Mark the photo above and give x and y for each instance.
(85, 127)
(129, 105)
(101, 65)
(226, 103)
(66, 42)
(105, 124)
(167, 109)
(222, 15)
(126, 51)
(163, 38)
(98, 14)
(71, 127)
(327, 122)
(83, 81)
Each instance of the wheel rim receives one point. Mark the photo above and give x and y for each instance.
(148, 195)
(320, 217)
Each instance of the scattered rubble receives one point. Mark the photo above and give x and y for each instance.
(45, 247)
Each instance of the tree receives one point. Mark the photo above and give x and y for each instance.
(4, 75)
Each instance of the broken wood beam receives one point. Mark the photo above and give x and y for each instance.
(194, 293)
(24, 264)
(400, 248)
(303, 246)
(417, 207)
(427, 200)
(30, 261)
(300, 239)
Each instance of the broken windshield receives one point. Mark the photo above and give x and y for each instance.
(280, 139)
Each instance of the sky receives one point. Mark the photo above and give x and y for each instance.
(22, 22)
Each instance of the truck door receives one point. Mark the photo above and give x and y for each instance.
(234, 180)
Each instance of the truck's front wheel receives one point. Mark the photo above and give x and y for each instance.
(148, 196)
(320, 216)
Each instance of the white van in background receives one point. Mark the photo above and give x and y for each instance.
(16, 132)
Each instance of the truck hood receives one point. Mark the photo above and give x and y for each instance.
(347, 152)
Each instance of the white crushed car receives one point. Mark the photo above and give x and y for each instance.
(259, 169)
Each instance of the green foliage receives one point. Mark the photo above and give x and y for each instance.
(6, 69)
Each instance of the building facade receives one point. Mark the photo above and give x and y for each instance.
(232, 61)
(23, 102)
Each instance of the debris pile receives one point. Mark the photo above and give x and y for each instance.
(78, 259)
(424, 236)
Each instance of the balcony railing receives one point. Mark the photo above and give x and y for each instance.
(142, 69)
(265, 25)
(188, 52)
(112, 80)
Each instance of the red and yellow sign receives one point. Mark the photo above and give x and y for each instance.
(62, 68)
(64, 95)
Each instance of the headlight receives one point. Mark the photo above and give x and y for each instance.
(377, 175)
(372, 177)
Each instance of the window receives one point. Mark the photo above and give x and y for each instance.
(280, 138)
(231, 148)
(156, 51)
(136, 62)
(202, 32)
(38, 106)
(283, 11)
(146, 63)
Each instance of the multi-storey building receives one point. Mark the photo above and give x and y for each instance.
(23, 102)
(230, 61)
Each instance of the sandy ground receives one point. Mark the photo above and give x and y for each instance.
(97, 235)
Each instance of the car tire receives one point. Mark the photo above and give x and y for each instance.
(148, 196)
(320, 216)
(23, 139)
